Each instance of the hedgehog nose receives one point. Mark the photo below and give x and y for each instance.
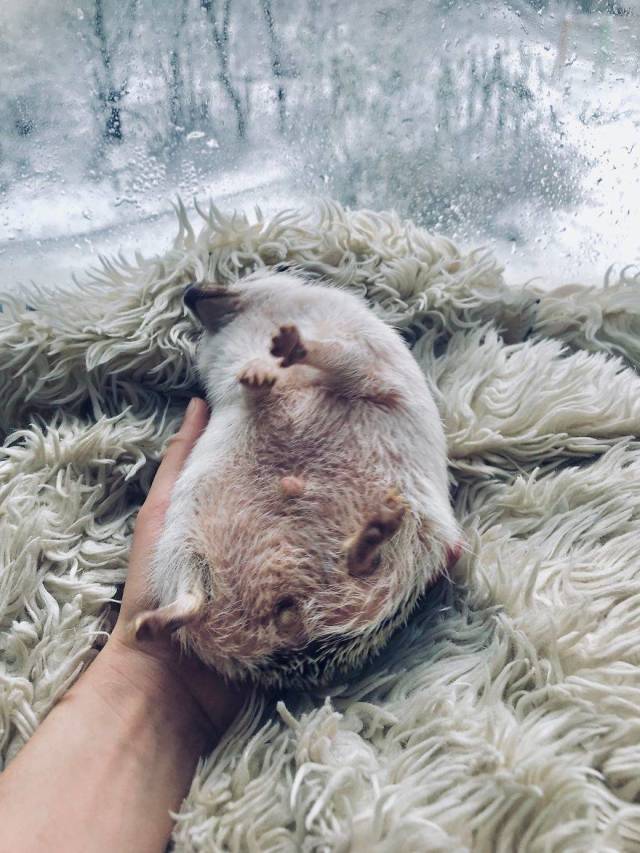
(196, 293)
(191, 296)
(214, 306)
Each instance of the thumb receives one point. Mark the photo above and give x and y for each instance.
(151, 516)
(178, 449)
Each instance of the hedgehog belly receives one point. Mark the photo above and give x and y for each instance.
(271, 529)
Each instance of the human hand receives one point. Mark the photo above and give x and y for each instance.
(157, 665)
(123, 742)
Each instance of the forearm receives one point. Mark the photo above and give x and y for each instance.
(107, 765)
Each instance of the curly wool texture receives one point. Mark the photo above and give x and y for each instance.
(504, 716)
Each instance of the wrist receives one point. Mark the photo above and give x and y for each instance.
(133, 683)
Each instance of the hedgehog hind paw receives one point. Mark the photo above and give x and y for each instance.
(363, 549)
(152, 624)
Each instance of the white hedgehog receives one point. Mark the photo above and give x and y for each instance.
(313, 511)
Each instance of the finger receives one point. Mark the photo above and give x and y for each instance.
(179, 448)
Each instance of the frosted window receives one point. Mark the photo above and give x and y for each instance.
(512, 125)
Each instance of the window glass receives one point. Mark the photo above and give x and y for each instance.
(507, 124)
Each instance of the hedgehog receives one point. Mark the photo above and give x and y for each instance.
(313, 512)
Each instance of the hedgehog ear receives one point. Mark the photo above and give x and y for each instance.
(152, 624)
(213, 306)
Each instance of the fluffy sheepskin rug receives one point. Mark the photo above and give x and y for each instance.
(506, 715)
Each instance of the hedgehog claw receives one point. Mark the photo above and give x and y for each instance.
(257, 377)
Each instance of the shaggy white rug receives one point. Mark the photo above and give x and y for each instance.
(506, 716)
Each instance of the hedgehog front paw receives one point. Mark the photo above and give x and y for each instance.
(257, 377)
(287, 345)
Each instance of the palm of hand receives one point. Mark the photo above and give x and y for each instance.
(159, 663)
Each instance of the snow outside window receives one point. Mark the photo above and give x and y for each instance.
(507, 124)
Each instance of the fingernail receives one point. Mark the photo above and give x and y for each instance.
(191, 408)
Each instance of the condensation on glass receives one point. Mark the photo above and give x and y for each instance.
(511, 125)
